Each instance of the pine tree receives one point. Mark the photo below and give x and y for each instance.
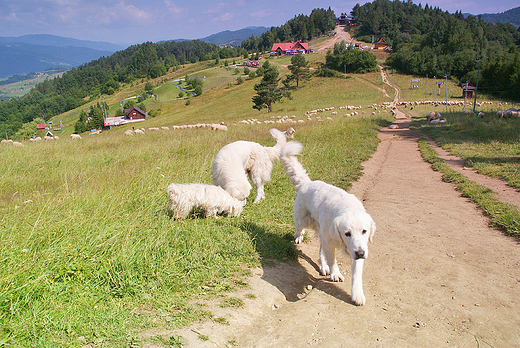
(267, 90)
(299, 68)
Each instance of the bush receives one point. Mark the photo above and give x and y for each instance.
(240, 80)
(325, 72)
(252, 75)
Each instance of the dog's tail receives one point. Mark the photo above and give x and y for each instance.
(293, 167)
(281, 140)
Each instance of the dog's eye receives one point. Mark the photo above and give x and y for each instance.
(364, 231)
(348, 234)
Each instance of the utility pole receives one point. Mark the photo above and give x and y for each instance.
(426, 92)
(476, 88)
(446, 87)
(434, 87)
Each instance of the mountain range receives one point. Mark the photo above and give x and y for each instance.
(35, 53)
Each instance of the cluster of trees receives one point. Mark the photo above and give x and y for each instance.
(430, 41)
(350, 60)
(301, 27)
(269, 91)
(93, 120)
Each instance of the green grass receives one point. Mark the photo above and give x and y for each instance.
(503, 215)
(490, 145)
(89, 252)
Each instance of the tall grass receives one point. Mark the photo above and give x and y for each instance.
(89, 252)
(491, 145)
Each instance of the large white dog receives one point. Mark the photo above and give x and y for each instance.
(236, 160)
(212, 200)
(338, 217)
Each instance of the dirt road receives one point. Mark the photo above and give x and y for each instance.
(436, 276)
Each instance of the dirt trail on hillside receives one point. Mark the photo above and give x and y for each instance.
(436, 276)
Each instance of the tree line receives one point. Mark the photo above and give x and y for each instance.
(301, 27)
(429, 41)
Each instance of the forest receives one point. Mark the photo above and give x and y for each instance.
(429, 41)
(301, 27)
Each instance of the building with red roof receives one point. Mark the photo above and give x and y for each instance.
(281, 48)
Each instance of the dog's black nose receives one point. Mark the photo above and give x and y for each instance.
(360, 254)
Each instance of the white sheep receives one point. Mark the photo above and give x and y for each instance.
(75, 136)
(139, 131)
(128, 132)
(289, 133)
(481, 114)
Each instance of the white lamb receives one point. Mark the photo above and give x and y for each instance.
(212, 200)
(236, 160)
(75, 136)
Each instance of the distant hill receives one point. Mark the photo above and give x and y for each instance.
(234, 38)
(36, 53)
(511, 16)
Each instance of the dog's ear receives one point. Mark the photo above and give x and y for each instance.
(372, 230)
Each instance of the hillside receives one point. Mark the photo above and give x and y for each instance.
(511, 16)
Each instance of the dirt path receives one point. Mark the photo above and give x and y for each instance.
(437, 274)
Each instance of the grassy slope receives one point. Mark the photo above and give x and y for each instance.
(89, 251)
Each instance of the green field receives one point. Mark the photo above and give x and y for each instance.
(90, 254)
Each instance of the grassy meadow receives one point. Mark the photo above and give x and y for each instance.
(90, 254)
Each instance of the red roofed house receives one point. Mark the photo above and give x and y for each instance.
(282, 48)
(41, 127)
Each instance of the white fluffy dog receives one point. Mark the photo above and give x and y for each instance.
(212, 200)
(338, 217)
(236, 160)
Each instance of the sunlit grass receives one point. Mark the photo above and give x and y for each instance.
(90, 254)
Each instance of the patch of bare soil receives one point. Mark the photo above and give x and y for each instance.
(436, 276)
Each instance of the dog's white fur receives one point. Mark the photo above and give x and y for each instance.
(338, 217)
(212, 200)
(236, 160)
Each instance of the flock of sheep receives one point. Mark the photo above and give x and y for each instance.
(431, 116)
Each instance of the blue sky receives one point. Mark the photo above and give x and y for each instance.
(136, 21)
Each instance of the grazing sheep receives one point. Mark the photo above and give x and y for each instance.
(139, 132)
(153, 128)
(6, 142)
(481, 114)
(221, 127)
(17, 144)
(128, 132)
(500, 113)
(430, 116)
(211, 199)
(165, 128)
(75, 136)
(289, 133)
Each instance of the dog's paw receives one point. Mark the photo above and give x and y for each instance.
(358, 297)
(325, 270)
(337, 277)
(298, 237)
